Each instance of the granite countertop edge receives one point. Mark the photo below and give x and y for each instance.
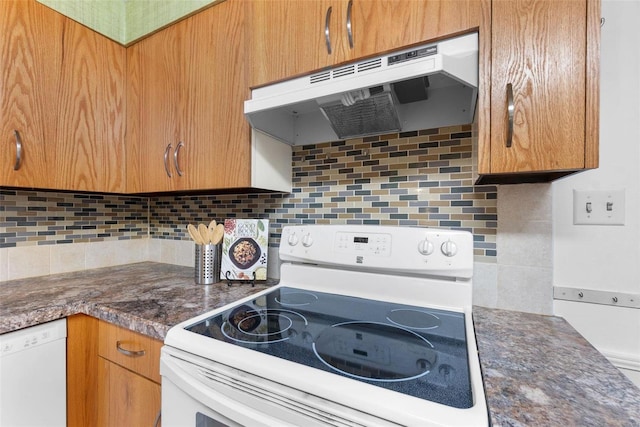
(537, 369)
(148, 298)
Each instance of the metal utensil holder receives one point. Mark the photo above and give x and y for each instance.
(207, 266)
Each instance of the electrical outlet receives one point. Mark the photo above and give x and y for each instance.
(598, 207)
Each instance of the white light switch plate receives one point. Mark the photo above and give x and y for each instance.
(598, 207)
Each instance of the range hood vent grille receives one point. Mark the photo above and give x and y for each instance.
(343, 71)
(370, 116)
(320, 77)
(347, 70)
(370, 65)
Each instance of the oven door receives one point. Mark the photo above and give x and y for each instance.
(203, 393)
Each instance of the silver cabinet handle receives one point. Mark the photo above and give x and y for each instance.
(156, 423)
(166, 160)
(327, 36)
(349, 30)
(175, 158)
(510, 110)
(18, 163)
(129, 353)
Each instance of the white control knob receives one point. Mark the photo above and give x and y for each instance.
(425, 247)
(307, 240)
(293, 239)
(449, 248)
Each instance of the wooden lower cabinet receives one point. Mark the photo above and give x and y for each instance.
(126, 398)
(113, 376)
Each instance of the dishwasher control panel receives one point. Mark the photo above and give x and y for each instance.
(33, 336)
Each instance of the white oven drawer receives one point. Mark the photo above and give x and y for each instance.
(228, 397)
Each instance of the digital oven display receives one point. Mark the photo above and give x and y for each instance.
(357, 239)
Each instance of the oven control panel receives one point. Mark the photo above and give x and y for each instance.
(374, 244)
(405, 249)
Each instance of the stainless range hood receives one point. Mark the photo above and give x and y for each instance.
(428, 86)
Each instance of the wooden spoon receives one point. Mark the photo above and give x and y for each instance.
(211, 227)
(204, 233)
(218, 234)
(193, 232)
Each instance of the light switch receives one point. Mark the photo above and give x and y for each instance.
(598, 207)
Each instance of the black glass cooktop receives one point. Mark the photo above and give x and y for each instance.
(412, 350)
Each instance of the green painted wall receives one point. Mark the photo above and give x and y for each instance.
(126, 20)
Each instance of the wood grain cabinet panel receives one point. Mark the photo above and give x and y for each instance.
(546, 54)
(186, 89)
(90, 113)
(377, 26)
(63, 91)
(113, 375)
(128, 377)
(126, 399)
(286, 38)
(82, 371)
(30, 61)
(384, 25)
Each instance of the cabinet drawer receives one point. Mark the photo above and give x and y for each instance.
(131, 350)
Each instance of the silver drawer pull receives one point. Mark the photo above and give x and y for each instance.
(175, 158)
(18, 163)
(327, 36)
(510, 110)
(130, 353)
(166, 161)
(349, 30)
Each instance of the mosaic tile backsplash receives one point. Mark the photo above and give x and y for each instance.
(49, 218)
(414, 178)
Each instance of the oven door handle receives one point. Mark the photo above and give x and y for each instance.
(212, 399)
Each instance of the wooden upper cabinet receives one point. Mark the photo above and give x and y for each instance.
(29, 58)
(382, 25)
(544, 63)
(63, 92)
(185, 90)
(90, 113)
(154, 93)
(288, 38)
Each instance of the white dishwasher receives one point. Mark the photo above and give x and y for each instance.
(33, 376)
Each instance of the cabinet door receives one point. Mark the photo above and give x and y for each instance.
(62, 91)
(30, 59)
(217, 150)
(384, 25)
(126, 399)
(539, 49)
(286, 38)
(88, 130)
(154, 71)
(186, 89)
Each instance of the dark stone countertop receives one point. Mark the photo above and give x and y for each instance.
(147, 297)
(537, 370)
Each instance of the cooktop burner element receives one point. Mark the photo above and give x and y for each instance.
(297, 299)
(417, 319)
(365, 350)
(385, 344)
(251, 326)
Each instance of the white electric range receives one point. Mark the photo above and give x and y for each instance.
(369, 326)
